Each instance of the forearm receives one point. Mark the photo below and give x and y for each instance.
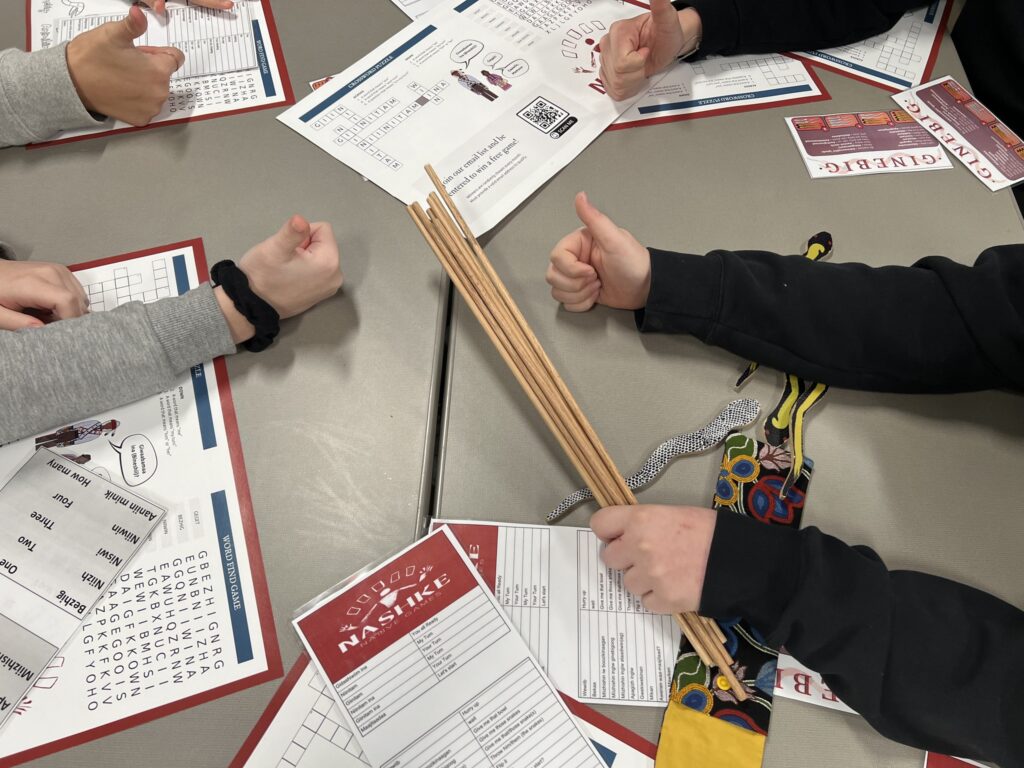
(926, 661)
(754, 26)
(937, 326)
(78, 368)
(37, 96)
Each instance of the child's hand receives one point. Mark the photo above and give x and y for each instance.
(293, 270)
(48, 291)
(663, 552)
(636, 49)
(115, 78)
(599, 264)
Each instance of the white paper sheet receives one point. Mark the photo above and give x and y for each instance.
(497, 95)
(423, 664)
(232, 57)
(795, 681)
(190, 614)
(710, 85)
(416, 8)
(303, 728)
(214, 42)
(897, 59)
(594, 639)
(864, 143)
(65, 535)
(968, 130)
(718, 83)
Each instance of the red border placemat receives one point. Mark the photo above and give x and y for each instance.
(928, 67)
(286, 84)
(252, 543)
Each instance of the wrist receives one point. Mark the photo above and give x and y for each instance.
(643, 290)
(241, 329)
(693, 30)
(73, 52)
(263, 322)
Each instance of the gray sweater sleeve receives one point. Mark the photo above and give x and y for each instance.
(77, 368)
(37, 97)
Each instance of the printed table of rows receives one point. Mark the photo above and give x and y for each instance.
(413, 665)
(516, 721)
(620, 640)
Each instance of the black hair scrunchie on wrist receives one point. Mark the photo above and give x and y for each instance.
(264, 318)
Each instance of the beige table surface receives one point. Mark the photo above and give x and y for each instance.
(336, 417)
(924, 480)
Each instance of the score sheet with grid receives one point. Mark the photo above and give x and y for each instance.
(233, 59)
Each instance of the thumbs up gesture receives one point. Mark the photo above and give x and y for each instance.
(296, 268)
(118, 79)
(635, 49)
(600, 263)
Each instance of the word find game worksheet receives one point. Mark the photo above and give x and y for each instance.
(189, 619)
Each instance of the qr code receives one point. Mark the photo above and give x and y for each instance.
(543, 115)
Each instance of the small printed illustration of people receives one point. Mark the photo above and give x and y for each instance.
(78, 458)
(75, 434)
(495, 79)
(471, 83)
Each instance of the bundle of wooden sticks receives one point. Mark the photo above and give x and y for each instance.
(463, 259)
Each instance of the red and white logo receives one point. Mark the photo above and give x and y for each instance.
(396, 594)
(387, 604)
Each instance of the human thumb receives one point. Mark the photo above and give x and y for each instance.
(11, 320)
(663, 14)
(132, 26)
(601, 227)
(294, 234)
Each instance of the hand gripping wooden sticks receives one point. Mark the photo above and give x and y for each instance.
(452, 241)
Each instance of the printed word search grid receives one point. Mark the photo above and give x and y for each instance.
(188, 620)
(233, 59)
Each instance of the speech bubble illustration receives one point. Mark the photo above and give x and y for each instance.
(515, 68)
(463, 53)
(138, 459)
(492, 59)
(102, 472)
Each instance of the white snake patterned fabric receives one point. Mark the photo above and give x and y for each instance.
(735, 416)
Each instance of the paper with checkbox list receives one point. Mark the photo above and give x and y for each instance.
(423, 663)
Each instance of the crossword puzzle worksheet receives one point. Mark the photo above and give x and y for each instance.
(900, 58)
(188, 619)
(719, 84)
(233, 59)
(497, 95)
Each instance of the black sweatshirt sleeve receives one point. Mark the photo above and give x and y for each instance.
(926, 661)
(756, 26)
(936, 326)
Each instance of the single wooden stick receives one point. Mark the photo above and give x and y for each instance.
(717, 630)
